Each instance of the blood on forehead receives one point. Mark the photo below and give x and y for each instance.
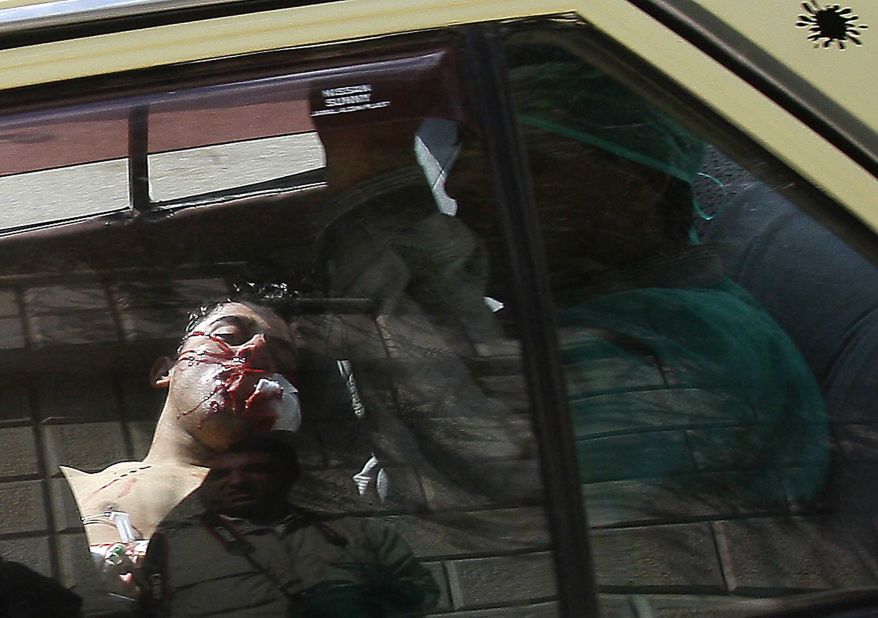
(220, 334)
(281, 349)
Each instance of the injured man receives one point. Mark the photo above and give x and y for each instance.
(229, 378)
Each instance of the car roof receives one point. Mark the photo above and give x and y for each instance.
(832, 140)
(786, 31)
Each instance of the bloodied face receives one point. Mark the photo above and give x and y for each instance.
(232, 376)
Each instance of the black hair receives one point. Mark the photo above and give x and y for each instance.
(276, 296)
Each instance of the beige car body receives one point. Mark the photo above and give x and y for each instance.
(842, 75)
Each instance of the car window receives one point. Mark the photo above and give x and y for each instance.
(292, 212)
(716, 337)
(334, 243)
(32, 198)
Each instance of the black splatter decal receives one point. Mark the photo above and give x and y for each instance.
(831, 24)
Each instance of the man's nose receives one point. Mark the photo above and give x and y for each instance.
(235, 478)
(257, 354)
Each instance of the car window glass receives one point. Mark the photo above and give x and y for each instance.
(183, 173)
(717, 344)
(89, 189)
(361, 323)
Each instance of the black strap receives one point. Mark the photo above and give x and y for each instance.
(155, 599)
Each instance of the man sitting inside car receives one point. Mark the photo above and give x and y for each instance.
(249, 552)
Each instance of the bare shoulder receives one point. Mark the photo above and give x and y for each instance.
(133, 482)
(144, 491)
(80, 478)
(173, 472)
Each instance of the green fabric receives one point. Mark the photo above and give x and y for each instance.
(667, 383)
(324, 567)
(569, 98)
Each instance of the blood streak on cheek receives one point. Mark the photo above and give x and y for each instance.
(258, 408)
(235, 384)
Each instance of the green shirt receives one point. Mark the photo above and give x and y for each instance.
(343, 567)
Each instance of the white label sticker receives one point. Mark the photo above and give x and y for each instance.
(347, 99)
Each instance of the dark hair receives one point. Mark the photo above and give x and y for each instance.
(276, 296)
(280, 445)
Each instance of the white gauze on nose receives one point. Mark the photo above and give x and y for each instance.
(286, 406)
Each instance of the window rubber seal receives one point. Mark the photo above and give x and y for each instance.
(541, 359)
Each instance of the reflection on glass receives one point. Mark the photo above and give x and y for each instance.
(88, 190)
(246, 548)
(179, 174)
(375, 335)
(226, 380)
(702, 435)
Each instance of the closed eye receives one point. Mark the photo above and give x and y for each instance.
(230, 335)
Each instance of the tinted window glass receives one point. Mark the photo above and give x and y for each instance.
(717, 345)
(33, 198)
(360, 324)
(185, 173)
